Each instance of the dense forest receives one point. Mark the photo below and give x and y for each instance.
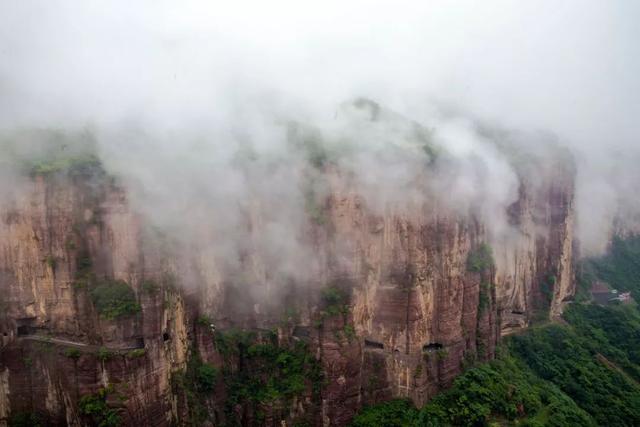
(584, 371)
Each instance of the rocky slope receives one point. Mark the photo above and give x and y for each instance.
(393, 304)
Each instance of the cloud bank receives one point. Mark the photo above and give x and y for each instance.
(175, 90)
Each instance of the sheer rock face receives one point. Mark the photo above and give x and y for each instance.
(418, 313)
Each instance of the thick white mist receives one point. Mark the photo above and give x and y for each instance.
(173, 88)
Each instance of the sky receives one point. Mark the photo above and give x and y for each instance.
(223, 69)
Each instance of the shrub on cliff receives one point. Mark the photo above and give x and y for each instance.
(114, 299)
(206, 377)
(25, 419)
(480, 259)
(334, 301)
(395, 413)
(85, 164)
(94, 407)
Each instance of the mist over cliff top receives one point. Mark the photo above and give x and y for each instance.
(172, 92)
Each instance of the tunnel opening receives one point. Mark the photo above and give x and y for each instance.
(302, 332)
(518, 312)
(431, 347)
(24, 330)
(25, 326)
(139, 343)
(165, 336)
(373, 344)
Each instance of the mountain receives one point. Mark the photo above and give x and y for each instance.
(110, 319)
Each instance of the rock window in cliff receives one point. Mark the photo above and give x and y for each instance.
(373, 344)
(24, 330)
(431, 347)
(518, 312)
(165, 336)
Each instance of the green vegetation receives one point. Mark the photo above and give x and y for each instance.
(72, 353)
(70, 244)
(206, 377)
(313, 204)
(84, 275)
(308, 141)
(503, 389)
(480, 259)
(395, 413)
(620, 267)
(74, 165)
(194, 389)
(51, 261)
(349, 332)
(611, 331)
(104, 354)
(48, 151)
(272, 375)
(259, 373)
(138, 352)
(229, 343)
(114, 299)
(150, 287)
(484, 298)
(25, 419)
(334, 301)
(571, 361)
(204, 320)
(95, 409)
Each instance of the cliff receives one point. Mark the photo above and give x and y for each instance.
(394, 303)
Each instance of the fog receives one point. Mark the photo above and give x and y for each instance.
(174, 91)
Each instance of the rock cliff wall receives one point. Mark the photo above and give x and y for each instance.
(395, 304)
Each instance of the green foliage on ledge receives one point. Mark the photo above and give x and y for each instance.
(196, 384)
(270, 374)
(45, 152)
(480, 259)
(95, 409)
(334, 301)
(114, 299)
(395, 413)
(85, 164)
(72, 353)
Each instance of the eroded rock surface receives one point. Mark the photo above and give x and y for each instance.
(414, 315)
